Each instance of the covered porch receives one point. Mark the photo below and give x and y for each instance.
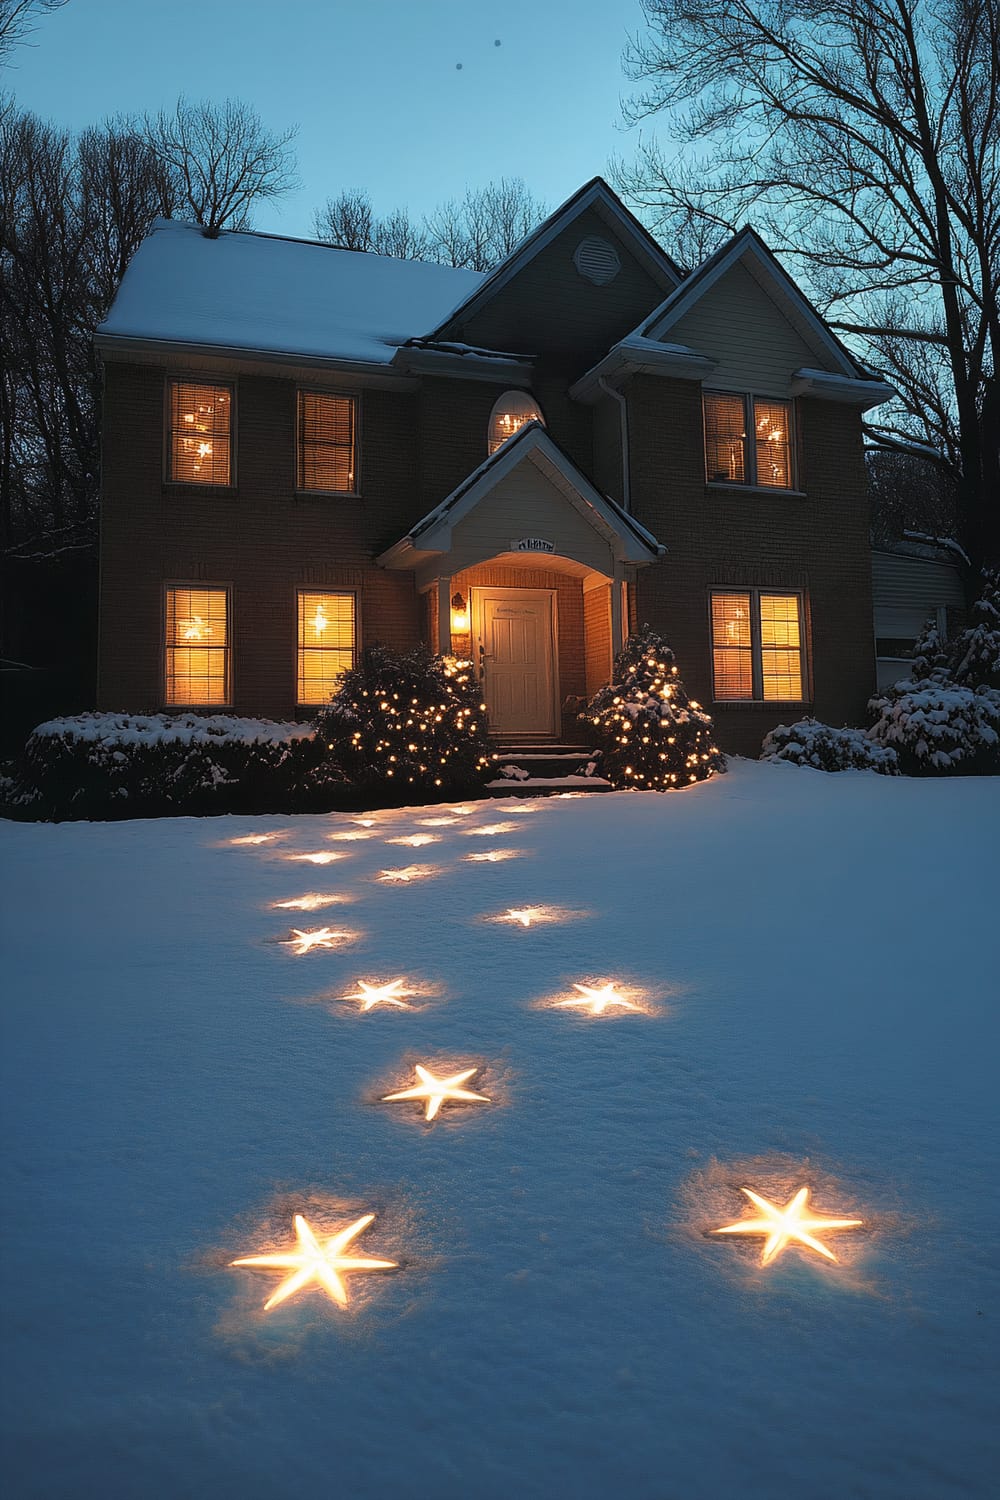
(525, 571)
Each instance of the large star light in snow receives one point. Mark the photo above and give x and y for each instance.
(598, 1001)
(371, 995)
(434, 1091)
(782, 1225)
(317, 1261)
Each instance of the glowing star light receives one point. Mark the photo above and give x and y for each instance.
(415, 840)
(324, 1263)
(525, 915)
(321, 937)
(255, 838)
(598, 1001)
(781, 1225)
(436, 1090)
(311, 902)
(323, 858)
(489, 829)
(493, 856)
(407, 873)
(371, 995)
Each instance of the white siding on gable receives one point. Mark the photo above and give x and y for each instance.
(738, 324)
(906, 590)
(523, 504)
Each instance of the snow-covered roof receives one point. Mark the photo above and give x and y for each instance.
(270, 295)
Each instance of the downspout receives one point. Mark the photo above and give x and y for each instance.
(623, 425)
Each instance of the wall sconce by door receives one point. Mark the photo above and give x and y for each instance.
(459, 615)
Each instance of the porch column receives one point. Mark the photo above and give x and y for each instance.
(617, 591)
(444, 616)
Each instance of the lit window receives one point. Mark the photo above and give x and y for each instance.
(197, 640)
(200, 438)
(509, 415)
(757, 646)
(326, 442)
(327, 638)
(730, 458)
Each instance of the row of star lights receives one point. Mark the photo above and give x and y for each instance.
(322, 1262)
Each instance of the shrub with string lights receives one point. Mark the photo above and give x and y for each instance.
(653, 736)
(409, 721)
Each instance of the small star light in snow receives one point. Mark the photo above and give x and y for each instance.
(364, 822)
(526, 915)
(437, 822)
(597, 1001)
(415, 840)
(489, 829)
(406, 873)
(352, 836)
(782, 1225)
(320, 937)
(371, 995)
(434, 1091)
(257, 838)
(493, 856)
(314, 1260)
(312, 901)
(325, 857)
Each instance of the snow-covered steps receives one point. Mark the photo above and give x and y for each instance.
(537, 769)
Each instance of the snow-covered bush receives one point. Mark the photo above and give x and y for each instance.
(809, 743)
(106, 765)
(410, 722)
(975, 655)
(939, 727)
(653, 737)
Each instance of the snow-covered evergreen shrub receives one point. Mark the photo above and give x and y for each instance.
(809, 743)
(975, 655)
(939, 728)
(653, 737)
(106, 765)
(410, 722)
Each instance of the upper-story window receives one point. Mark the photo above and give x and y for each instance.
(509, 415)
(200, 437)
(327, 433)
(748, 440)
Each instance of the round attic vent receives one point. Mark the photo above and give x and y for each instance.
(597, 260)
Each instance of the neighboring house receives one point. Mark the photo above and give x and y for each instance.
(307, 449)
(914, 580)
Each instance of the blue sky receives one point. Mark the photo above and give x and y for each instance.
(373, 85)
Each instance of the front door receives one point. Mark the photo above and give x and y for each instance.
(516, 639)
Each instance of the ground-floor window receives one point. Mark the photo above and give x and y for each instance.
(327, 641)
(196, 669)
(757, 646)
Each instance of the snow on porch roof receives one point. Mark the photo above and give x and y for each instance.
(531, 443)
(270, 295)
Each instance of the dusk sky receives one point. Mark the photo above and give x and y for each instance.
(374, 86)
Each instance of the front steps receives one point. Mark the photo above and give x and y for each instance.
(549, 769)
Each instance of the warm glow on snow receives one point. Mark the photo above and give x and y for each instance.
(415, 840)
(326, 857)
(437, 822)
(257, 838)
(527, 915)
(316, 1261)
(352, 836)
(597, 1001)
(782, 1225)
(370, 995)
(364, 822)
(407, 873)
(489, 829)
(434, 1091)
(493, 856)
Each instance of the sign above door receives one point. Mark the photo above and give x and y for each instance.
(532, 544)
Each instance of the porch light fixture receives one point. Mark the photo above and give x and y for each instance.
(782, 1225)
(316, 1260)
(459, 614)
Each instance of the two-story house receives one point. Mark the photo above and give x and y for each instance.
(307, 449)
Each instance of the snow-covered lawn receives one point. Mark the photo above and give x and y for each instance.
(815, 962)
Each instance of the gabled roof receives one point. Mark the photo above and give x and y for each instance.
(530, 444)
(596, 195)
(264, 294)
(747, 246)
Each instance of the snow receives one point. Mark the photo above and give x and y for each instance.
(181, 729)
(279, 296)
(816, 962)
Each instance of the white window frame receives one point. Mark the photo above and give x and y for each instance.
(750, 480)
(756, 647)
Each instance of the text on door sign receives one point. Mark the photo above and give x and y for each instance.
(532, 544)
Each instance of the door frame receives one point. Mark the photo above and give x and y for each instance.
(477, 639)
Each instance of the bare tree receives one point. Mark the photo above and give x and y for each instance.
(908, 494)
(223, 160)
(477, 231)
(19, 18)
(862, 138)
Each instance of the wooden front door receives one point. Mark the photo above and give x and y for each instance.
(516, 636)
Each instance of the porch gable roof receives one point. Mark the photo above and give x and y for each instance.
(431, 535)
